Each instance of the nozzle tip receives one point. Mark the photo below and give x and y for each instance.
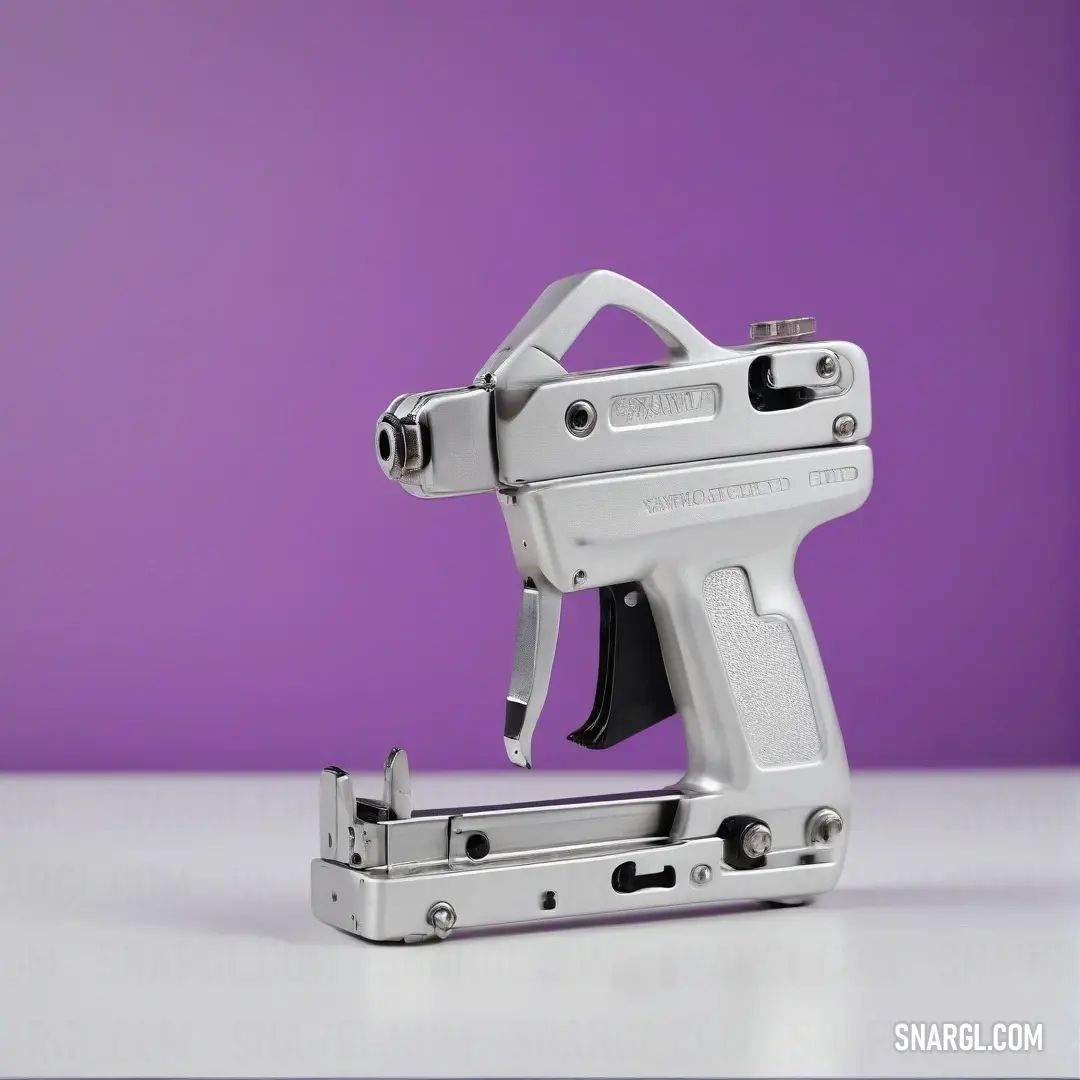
(390, 446)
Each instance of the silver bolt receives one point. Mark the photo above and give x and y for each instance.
(580, 578)
(844, 426)
(631, 598)
(756, 841)
(826, 367)
(701, 874)
(824, 826)
(442, 918)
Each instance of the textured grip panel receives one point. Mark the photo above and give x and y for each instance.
(764, 672)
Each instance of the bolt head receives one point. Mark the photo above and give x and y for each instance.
(631, 599)
(701, 874)
(442, 918)
(824, 826)
(756, 841)
(844, 426)
(580, 578)
(826, 367)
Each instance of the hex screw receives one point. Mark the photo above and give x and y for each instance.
(844, 426)
(756, 841)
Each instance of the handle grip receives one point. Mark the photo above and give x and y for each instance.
(745, 671)
(765, 673)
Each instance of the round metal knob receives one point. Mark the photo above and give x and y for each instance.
(783, 329)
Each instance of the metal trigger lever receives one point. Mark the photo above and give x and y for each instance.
(534, 653)
(632, 688)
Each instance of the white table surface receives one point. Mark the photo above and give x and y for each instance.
(161, 925)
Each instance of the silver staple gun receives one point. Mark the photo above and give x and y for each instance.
(681, 491)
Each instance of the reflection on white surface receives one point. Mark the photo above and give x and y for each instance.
(181, 941)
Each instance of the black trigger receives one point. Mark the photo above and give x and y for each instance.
(632, 690)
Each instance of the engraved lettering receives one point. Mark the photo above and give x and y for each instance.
(680, 500)
(833, 476)
(681, 403)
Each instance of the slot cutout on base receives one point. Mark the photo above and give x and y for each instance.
(626, 879)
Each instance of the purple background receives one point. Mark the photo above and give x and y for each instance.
(231, 233)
